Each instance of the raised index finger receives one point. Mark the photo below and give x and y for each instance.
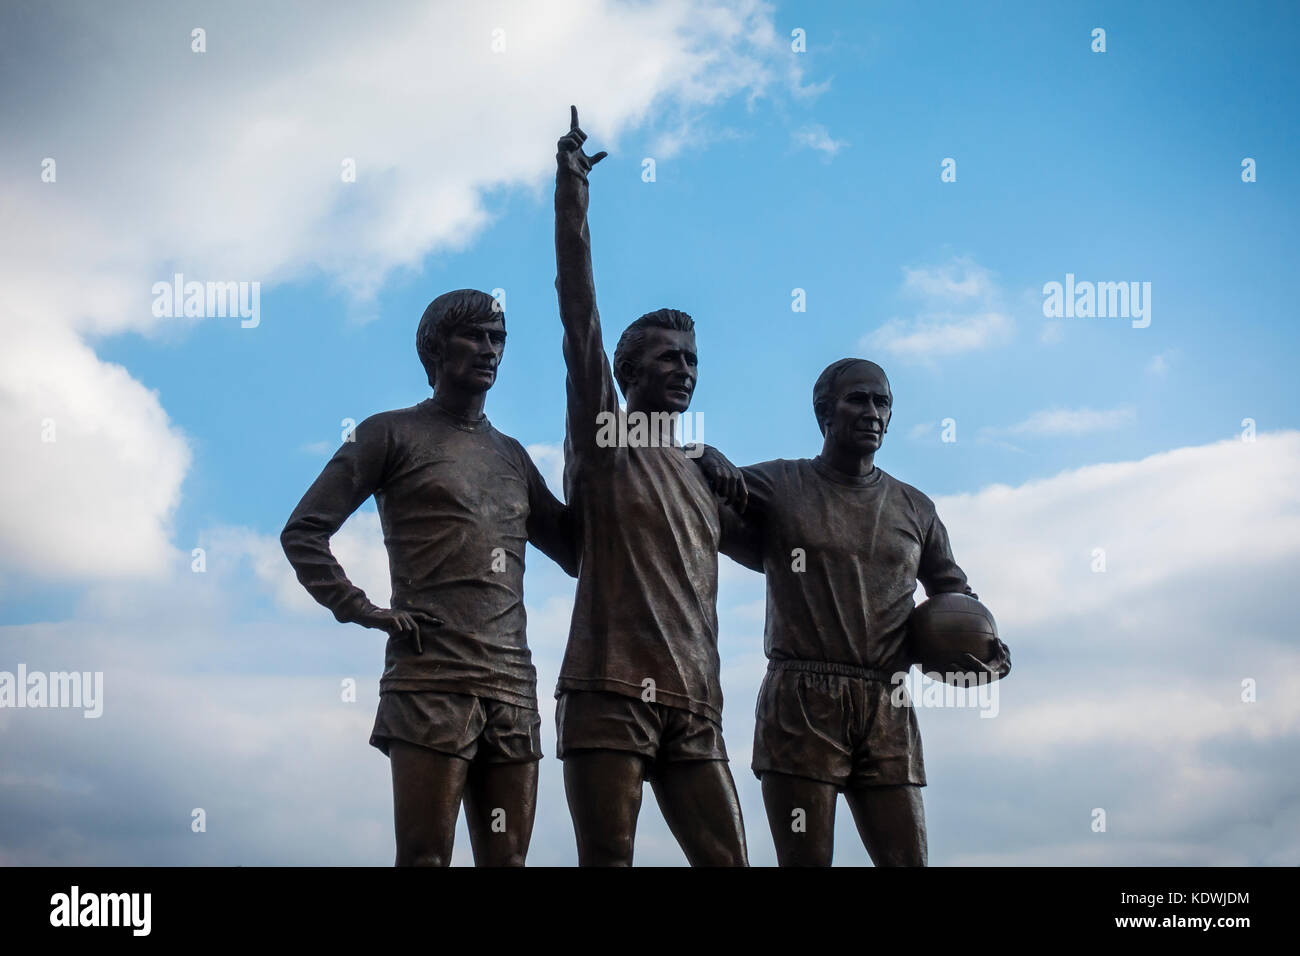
(573, 117)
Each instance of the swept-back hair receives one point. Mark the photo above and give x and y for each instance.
(632, 340)
(824, 389)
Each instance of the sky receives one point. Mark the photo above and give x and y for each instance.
(896, 181)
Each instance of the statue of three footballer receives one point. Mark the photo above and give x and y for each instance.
(842, 545)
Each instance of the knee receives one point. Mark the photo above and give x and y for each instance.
(506, 858)
(605, 849)
(911, 854)
(716, 850)
(732, 857)
(813, 853)
(419, 855)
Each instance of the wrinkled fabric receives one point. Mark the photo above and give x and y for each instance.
(457, 501)
(648, 526)
(842, 556)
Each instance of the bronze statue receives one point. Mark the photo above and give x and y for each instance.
(457, 500)
(842, 544)
(639, 696)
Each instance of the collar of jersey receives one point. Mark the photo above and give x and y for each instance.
(464, 424)
(839, 478)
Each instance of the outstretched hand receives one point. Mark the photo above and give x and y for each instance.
(570, 155)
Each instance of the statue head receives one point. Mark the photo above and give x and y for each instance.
(853, 404)
(460, 340)
(655, 363)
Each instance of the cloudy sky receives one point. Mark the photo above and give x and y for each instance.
(1126, 499)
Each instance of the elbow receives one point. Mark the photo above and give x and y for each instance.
(289, 539)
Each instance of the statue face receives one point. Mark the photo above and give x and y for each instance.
(666, 371)
(471, 354)
(860, 414)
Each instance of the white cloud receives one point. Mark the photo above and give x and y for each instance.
(549, 459)
(815, 136)
(1069, 421)
(358, 546)
(94, 469)
(958, 281)
(1126, 693)
(1158, 366)
(225, 165)
(1158, 519)
(938, 335)
(959, 310)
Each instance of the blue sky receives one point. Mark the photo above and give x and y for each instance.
(1116, 166)
(774, 171)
